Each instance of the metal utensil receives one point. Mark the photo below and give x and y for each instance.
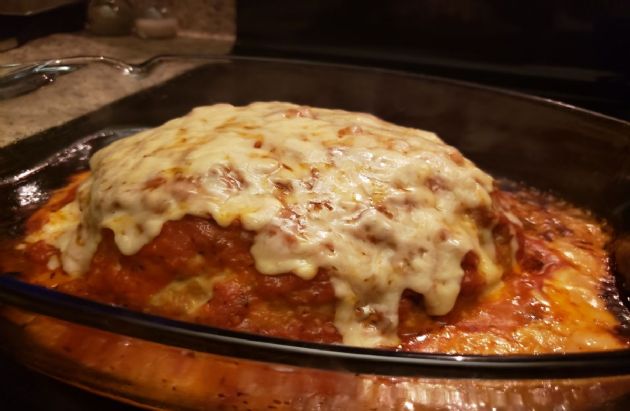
(21, 78)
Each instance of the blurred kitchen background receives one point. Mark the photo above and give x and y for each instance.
(574, 51)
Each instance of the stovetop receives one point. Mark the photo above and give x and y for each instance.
(603, 91)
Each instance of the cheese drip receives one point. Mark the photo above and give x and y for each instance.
(381, 208)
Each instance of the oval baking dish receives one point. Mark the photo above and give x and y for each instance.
(162, 363)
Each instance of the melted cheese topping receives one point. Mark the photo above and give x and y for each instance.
(382, 208)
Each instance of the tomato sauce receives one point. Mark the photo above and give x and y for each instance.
(290, 307)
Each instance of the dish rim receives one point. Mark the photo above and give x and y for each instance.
(273, 350)
(512, 93)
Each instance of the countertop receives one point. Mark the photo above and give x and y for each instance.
(95, 85)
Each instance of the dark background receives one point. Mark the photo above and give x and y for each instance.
(577, 51)
(25, 390)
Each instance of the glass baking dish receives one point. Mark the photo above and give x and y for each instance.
(161, 363)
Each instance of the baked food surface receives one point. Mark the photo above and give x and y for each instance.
(327, 226)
